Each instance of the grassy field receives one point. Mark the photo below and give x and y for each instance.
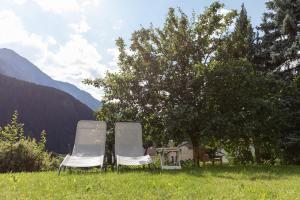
(211, 182)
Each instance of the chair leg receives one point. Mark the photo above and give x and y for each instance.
(161, 161)
(59, 170)
(105, 167)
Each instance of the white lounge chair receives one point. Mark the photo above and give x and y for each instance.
(129, 144)
(89, 146)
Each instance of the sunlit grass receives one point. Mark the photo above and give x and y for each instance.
(211, 182)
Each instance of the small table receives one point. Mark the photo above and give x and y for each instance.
(163, 154)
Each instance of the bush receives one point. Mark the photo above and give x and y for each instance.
(18, 153)
(25, 155)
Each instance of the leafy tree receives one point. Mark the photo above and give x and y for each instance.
(13, 131)
(279, 44)
(181, 83)
(156, 81)
(241, 110)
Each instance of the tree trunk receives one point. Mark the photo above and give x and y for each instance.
(196, 148)
(257, 154)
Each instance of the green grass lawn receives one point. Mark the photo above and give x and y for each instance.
(211, 182)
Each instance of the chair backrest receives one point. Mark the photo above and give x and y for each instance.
(90, 138)
(128, 139)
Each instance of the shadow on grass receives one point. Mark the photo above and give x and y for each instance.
(249, 172)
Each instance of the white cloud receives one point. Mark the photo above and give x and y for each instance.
(81, 27)
(58, 6)
(19, 2)
(13, 32)
(72, 62)
(11, 27)
(78, 55)
(51, 40)
(113, 64)
(118, 24)
(61, 6)
(224, 11)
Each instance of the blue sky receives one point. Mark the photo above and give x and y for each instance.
(74, 39)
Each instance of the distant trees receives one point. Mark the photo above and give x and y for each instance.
(200, 80)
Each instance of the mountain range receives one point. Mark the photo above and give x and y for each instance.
(16, 66)
(42, 103)
(42, 108)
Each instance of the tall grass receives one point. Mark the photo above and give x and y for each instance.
(210, 182)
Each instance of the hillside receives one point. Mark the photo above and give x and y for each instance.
(41, 108)
(16, 66)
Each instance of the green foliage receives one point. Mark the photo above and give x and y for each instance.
(279, 45)
(156, 82)
(12, 132)
(241, 109)
(291, 127)
(18, 153)
(25, 155)
(195, 79)
(238, 44)
(278, 52)
(43, 140)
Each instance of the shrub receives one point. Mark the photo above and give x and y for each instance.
(18, 153)
(25, 155)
